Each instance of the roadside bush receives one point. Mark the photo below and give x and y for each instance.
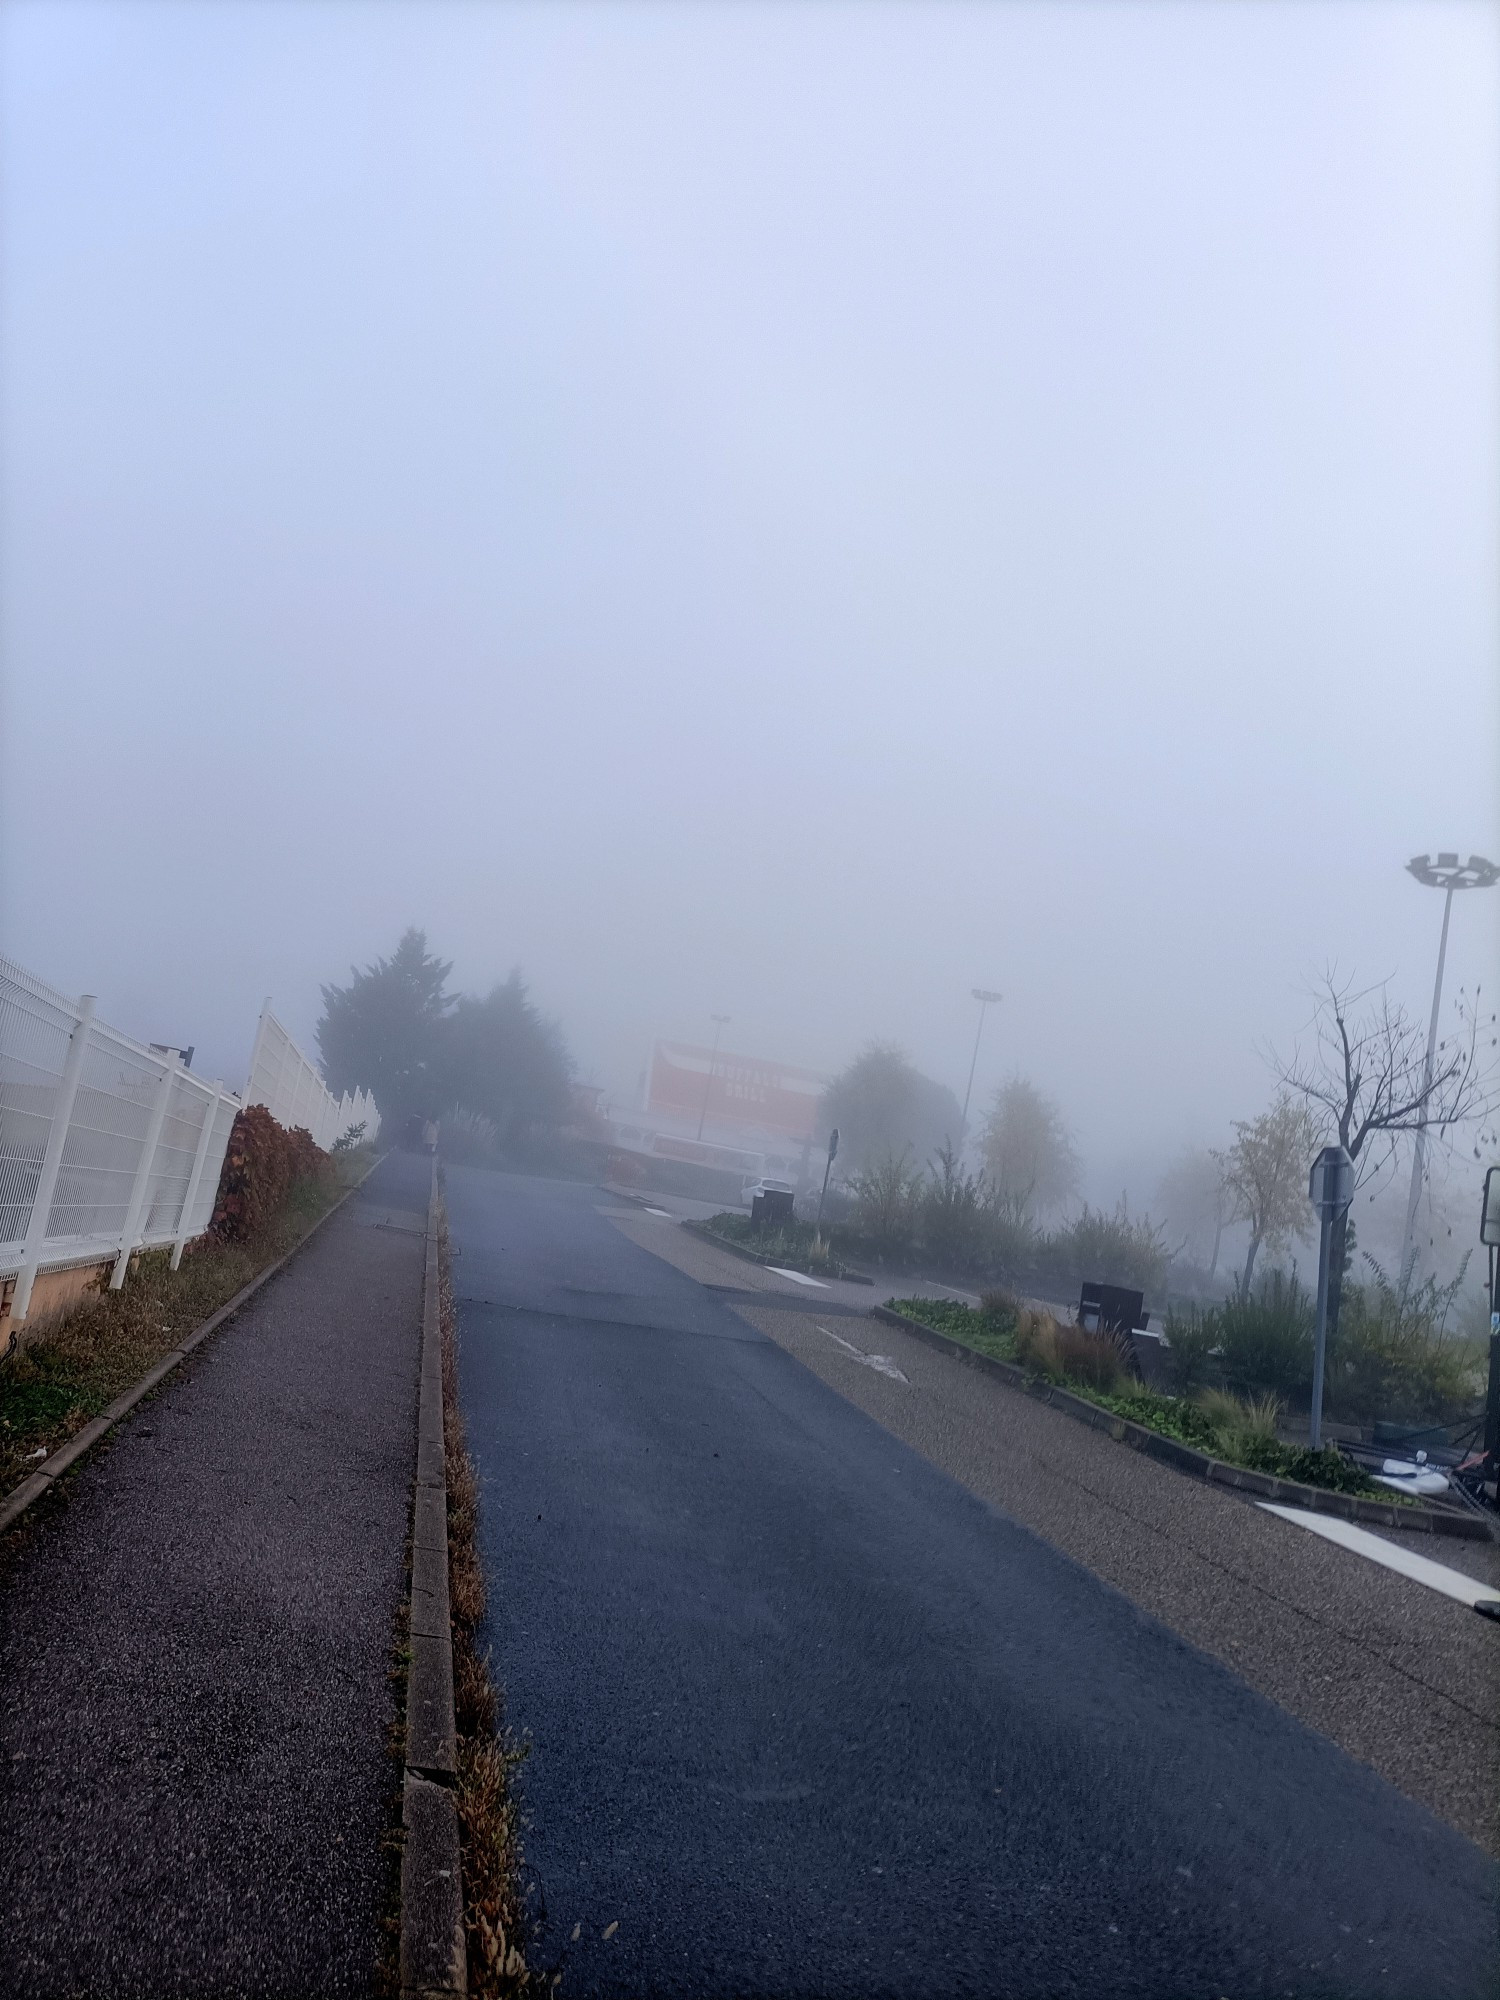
(1394, 1357)
(1093, 1360)
(1266, 1340)
(1001, 1307)
(1112, 1249)
(886, 1197)
(262, 1163)
(1192, 1340)
(1239, 1425)
(1037, 1343)
(954, 1213)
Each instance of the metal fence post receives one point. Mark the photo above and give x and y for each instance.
(189, 1200)
(130, 1234)
(57, 1136)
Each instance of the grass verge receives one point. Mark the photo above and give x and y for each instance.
(1221, 1429)
(495, 1919)
(95, 1349)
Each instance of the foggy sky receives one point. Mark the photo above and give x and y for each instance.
(783, 511)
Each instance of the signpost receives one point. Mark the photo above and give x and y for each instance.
(1330, 1189)
(833, 1147)
(1489, 1236)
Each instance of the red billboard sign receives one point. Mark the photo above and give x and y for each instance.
(722, 1089)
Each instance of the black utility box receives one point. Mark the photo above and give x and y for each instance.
(1111, 1309)
(772, 1208)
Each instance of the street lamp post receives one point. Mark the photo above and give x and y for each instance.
(720, 1021)
(985, 999)
(1447, 873)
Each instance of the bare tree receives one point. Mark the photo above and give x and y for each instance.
(1365, 1081)
(1265, 1177)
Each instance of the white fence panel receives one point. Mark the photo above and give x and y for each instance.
(291, 1087)
(106, 1147)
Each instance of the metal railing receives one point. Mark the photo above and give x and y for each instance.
(106, 1147)
(291, 1087)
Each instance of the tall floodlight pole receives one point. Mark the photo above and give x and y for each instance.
(1447, 873)
(985, 999)
(721, 1022)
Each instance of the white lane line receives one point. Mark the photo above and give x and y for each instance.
(881, 1363)
(658, 1211)
(798, 1277)
(1421, 1569)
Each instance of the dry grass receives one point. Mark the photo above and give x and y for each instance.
(95, 1349)
(1065, 1353)
(489, 1819)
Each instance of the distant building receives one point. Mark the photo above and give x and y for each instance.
(729, 1115)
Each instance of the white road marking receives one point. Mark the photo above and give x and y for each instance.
(1421, 1569)
(881, 1363)
(658, 1211)
(798, 1277)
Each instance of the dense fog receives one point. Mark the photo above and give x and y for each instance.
(777, 514)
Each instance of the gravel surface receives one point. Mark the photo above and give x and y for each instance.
(194, 1649)
(809, 1716)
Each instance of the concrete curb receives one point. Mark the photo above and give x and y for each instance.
(701, 1229)
(31, 1489)
(1184, 1457)
(434, 1953)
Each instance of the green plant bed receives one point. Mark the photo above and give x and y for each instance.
(797, 1246)
(993, 1332)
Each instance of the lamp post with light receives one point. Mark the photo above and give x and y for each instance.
(1447, 873)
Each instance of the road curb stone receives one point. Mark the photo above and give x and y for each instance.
(434, 1953)
(1173, 1452)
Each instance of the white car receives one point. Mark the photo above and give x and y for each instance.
(752, 1188)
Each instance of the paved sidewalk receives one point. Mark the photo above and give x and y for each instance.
(194, 1651)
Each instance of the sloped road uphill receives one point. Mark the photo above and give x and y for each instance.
(809, 1718)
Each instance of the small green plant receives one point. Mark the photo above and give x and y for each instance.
(1240, 1424)
(954, 1212)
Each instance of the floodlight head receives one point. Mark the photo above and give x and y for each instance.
(1448, 872)
(985, 997)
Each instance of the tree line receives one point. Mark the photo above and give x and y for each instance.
(427, 1053)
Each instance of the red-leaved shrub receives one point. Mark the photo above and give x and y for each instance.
(261, 1163)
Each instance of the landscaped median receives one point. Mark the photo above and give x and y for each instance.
(792, 1246)
(78, 1375)
(1009, 1340)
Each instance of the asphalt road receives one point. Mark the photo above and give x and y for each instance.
(808, 1717)
(195, 1650)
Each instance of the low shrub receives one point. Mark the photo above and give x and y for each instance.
(954, 1213)
(1394, 1357)
(1109, 1249)
(886, 1197)
(1266, 1340)
(1192, 1341)
(1092, 1359)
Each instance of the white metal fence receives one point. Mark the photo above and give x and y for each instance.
(106, 1147)
(292, 1089)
